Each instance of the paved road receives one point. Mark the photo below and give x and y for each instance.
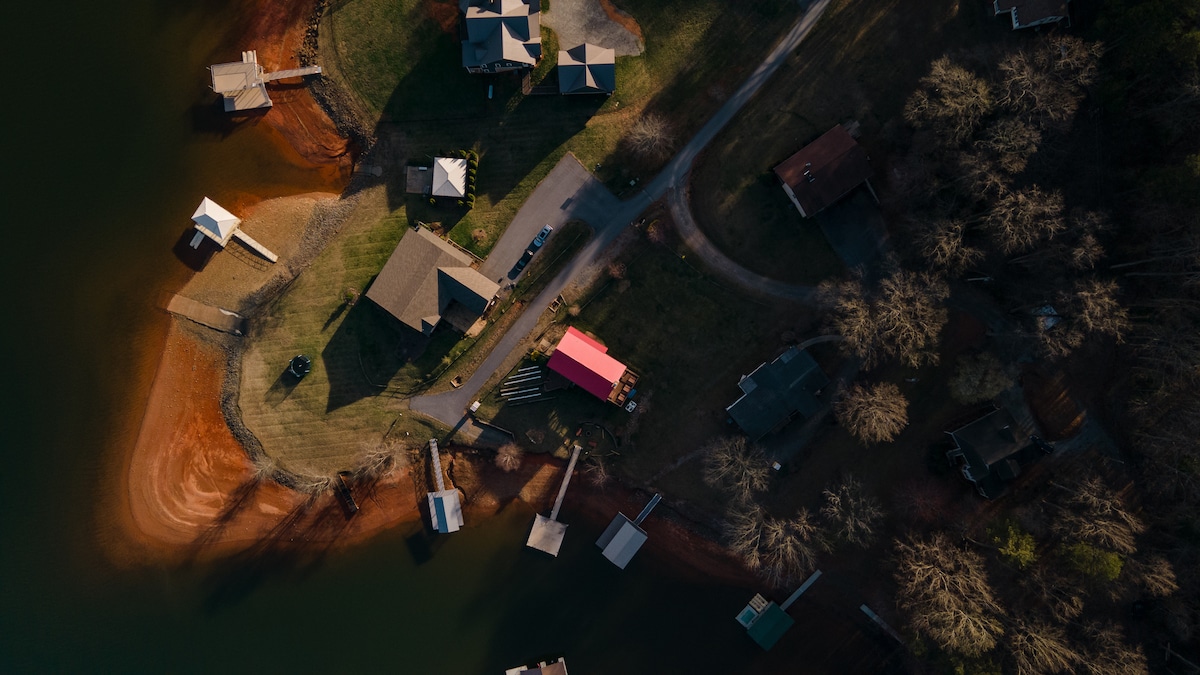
(568, 191)
(607, 218)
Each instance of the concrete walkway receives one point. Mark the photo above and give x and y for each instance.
(608, 218)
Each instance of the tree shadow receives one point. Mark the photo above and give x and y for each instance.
(335, 315)
(296, 546)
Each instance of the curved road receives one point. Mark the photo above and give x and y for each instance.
(450, 407)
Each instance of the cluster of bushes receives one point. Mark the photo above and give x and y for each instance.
(472, 158)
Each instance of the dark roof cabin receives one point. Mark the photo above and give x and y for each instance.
(824, 171)
(501, 35)
(777, 391)
(992, 450)
(423, 276)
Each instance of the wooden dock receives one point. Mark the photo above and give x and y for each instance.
(207, 315)
(562, 490)
(294, 72)
(253, 245)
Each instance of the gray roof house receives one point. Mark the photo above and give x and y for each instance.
(992, 450)
(587, 69)
(1030, 13)
(423, 276)
(777, 391)
(501, 35)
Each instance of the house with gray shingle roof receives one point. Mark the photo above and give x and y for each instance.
(778, 391)
(501, 35)
(587, 69)
(423, 277)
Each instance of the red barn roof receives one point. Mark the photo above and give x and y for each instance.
(824, 170)
(583, 361)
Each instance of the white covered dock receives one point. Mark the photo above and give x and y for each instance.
(445, 509)
(215, 222)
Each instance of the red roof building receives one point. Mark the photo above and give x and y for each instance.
(824, 171)
(586, 363)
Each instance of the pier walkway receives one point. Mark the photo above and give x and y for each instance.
(207, 315)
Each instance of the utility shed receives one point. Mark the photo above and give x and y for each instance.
(624, 537)
(824, 171)
(776, 391)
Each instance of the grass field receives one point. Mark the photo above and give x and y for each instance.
(318, 425)
(401, 61)
(861, 62)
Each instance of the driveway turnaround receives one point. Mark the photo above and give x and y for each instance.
(592, 203)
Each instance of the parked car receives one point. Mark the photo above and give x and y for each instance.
(541, 237)
(525, 258)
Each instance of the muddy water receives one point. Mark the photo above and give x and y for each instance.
(112, 140)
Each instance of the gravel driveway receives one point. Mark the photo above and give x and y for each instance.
(580, 21)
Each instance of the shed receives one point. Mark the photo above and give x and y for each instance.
(214, 222)
(624, 537)
(585, 362)
(449, 177)
(587, 69)
(824, 171)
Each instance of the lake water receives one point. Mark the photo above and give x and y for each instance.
(111, 146)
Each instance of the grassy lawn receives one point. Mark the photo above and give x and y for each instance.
(860, 63)
(402, 62)
(321, 423)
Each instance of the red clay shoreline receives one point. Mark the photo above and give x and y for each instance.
(187, 490)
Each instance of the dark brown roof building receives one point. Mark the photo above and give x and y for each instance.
(824, 171)
(423, 277)
(1029, 13)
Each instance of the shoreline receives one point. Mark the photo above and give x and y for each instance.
(188, 488)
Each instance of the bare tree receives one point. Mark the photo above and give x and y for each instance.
(780, 549)
(650, 137)
(733, 463)
(1097, 309)
(1063, 599)
(376, 459)
(947, 595)
(1155, 575)
(1111, 655)
(943, 243)
(617, 270)
(1011, 142)
(1021, 219)
(509, 456)
(854, 516)
(904, 320)
(1092, 512)
(656, 232)
(1040, 648)
(951, 99)
(596, 472)
(874, 413)
(978, 378)
(1046, 83)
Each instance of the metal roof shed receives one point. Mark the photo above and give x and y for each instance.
(623, 537)
(765, 622)
(585, 362)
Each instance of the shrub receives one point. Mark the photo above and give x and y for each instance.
(462, 202)
(432, 201)
(1016, 546)
(508, 457)
(1095, 563)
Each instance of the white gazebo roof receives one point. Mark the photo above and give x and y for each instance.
(449, 177)
(214, 221)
